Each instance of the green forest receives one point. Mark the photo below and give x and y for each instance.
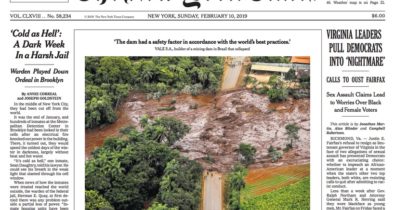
(139, 168)
(234, 183)
(108, 80)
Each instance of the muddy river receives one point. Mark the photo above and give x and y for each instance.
(219, 124)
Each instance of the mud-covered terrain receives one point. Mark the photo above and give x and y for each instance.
(220, 123)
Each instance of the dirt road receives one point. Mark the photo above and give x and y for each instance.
(232, 73)
(212, 191)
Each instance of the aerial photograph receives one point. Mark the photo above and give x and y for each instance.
(197, 133)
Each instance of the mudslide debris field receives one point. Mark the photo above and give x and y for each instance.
(220, 123)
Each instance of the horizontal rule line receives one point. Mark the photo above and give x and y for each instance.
(39, 86)
(245, 20)
(355, 86)
(355, 70)
(194, 29)
(188, 11)
(39, 64)
(355, 116)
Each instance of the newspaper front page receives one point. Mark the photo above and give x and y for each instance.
(197, 105)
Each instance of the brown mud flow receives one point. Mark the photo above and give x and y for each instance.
(219, 124)
(95, 137)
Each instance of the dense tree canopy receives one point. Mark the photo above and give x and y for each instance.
(271, 59)
(94, 201)
(160, 206)
(233, 185)
(180, 185)
(292, 132)
(165, 130)
(138, 166)
(109, 79)
(247, 152)
(278, 91)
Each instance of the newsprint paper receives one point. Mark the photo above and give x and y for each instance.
(197, 105)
